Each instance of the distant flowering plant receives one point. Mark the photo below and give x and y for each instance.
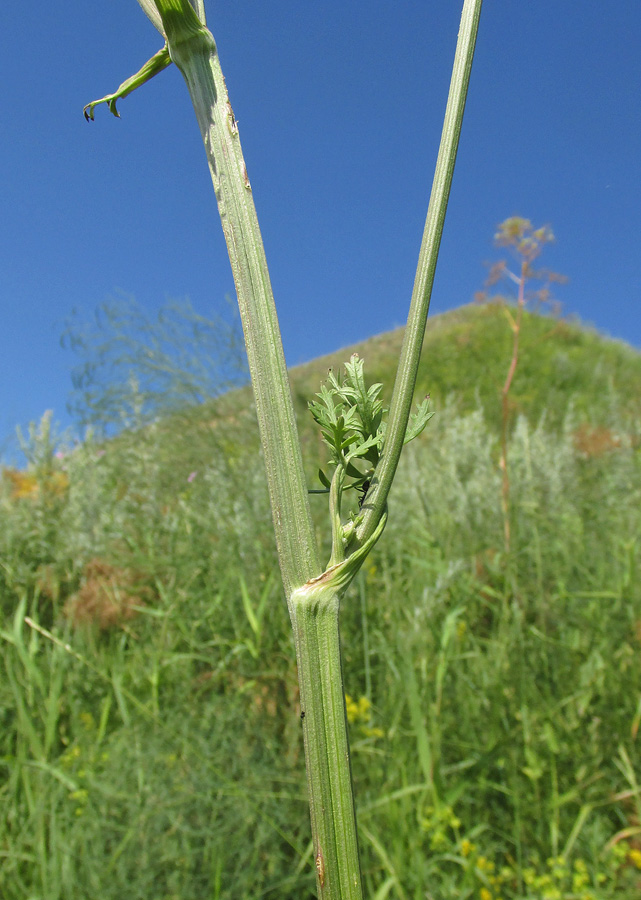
(36, 485)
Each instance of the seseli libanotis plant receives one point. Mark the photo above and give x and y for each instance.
(364, 450)
(526, 244)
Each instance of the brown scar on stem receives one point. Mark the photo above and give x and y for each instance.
(246, 178)
(323, 577)
(320, 867)
(231, 120)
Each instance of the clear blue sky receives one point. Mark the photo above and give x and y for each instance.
(340, 107)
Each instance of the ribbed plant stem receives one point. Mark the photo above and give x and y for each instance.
(313, 607)
(192, 48)
(326, 749)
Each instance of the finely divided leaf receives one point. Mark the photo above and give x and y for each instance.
(418, 420)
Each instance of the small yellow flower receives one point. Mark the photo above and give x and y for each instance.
(485, 894)
(559, 869)
(529, 876)
(467, 847)
(635, 857)
(552, 894)
(579, 881)
(357, 711)
(351, 709)
(485, 865)
(70, 755)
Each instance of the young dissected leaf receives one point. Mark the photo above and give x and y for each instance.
(324, 410)
(351, 419)
(347, 442)
(324, 480)
(418, 420)
(362, 448)
(366, 400)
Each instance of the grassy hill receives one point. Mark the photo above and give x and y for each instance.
(563, 366)
(150, 741)
(466, 353)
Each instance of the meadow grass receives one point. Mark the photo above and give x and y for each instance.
(151, 744)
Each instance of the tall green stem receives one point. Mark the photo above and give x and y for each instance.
(419, 307)
(329, 776)
(192, 48)
(313, 602)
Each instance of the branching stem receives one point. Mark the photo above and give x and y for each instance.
(313, 595)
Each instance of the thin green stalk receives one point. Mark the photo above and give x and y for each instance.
(405, 383)
(516, 323)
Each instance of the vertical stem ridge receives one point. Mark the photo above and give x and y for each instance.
(326, 748)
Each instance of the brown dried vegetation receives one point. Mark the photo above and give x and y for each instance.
(595, 441)
(108, 598)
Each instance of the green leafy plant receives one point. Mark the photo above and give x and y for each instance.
(350, 416)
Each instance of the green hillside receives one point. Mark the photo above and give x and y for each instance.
(466, 353)
(150, 739)
(563, 366)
